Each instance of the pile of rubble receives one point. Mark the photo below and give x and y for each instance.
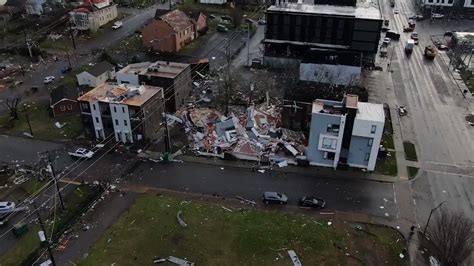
(255, 136)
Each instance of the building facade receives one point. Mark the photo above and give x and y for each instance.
(169, 32)
(130, 113)
(93, 14)
(296, 30)
(174, 78)
(346, 132)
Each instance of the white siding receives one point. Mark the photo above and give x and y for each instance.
(439, 2)
(363, 128)
(84, 78)
(127, 78)
(121, 121)
(97, 120)
(214, 2)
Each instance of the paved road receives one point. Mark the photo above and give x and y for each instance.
(445, 144)
(22, 150)
(374, 198)
(256, 49)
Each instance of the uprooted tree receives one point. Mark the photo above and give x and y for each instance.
(451, 238)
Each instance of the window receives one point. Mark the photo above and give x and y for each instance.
(93, 107)
(115, 109)
(373, 129)
(96, 119)
(333, 128)
(69, 107)
(62, 107)
(116, 122)
(125, 122)
(450, 1)
(370, 142)
(329, 155)
(123, 109)
(367, 156)
(329, 143)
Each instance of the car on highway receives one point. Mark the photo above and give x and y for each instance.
(392, 35)
(6, 207)
(274, 197)
(408, 29)
(312, 202)
(437, 16)
(396, 11)
(417, 17)
(117, 25)
(81, 153)
(430, 52)
(414, 36)
(48, 79)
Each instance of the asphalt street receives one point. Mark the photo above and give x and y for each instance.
(23, 150)
(374, 198)
(445, 143)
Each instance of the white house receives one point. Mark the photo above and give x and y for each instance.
(97, 75)
(345, 132)
(93, 14)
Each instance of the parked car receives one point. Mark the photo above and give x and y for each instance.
(312, 202)
(385, 29)
(448, 34)
(430, 51)
(48, 79)
(117, 25)
(408, 29)
(414, 36)
(392, 35)
(417, 17)
(6, 206)
(222, 28)
(411, 23)
(82, 153)
(386, 41)
(402, 111)
(262, 22)
(436, 16)
(386, 22)
(274, 197)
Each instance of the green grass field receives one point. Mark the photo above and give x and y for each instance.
(387, 166)
(410, 151)
(215, 236)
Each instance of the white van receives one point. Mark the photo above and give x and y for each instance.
(117, 25)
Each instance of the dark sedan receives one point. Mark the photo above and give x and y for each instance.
(312, 202)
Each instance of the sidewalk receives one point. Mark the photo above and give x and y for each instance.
(309, 171)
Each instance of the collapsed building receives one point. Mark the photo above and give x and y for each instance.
(255, 136)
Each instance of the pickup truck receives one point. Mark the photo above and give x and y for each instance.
(117, 25)
(82, 153)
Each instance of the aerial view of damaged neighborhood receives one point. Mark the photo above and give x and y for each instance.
(237, 132)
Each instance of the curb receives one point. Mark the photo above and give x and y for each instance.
(288, 169)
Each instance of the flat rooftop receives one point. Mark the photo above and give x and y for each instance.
(328, 107)
(370, 112)
(157, 69)
(364, 9)
(122, 94)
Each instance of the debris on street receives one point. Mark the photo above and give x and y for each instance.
(245, 201)
(294, 258)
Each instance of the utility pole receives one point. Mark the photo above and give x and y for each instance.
(227, 87)
(429, 217)
(72, 37)
(43, 237)
(68, 57)
(167, 134)
(53, 175)
(28, 118)
(248, 44)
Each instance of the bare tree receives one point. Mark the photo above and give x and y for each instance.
(12, 105)
(236, 15)
(451, 237)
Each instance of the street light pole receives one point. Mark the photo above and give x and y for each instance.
(429, 217)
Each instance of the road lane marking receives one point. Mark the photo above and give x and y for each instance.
(447, 173)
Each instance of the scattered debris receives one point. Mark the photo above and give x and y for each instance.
(401, 256)
(59, 125)
(261, 171)
(227, 209)
(329, 223)
(294, 258)
(245, 201)
(180, 220)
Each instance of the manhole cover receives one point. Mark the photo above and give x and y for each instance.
(470, 118)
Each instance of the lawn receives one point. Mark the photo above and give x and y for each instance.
(215, 236)
(387, 140)
(388, 165)
(470, 85)
(410, 151)
(42, 124)
(412, 171)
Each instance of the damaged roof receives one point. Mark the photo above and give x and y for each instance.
(177, 20)
(122, 94)
(100, 68)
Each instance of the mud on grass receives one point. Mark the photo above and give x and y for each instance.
(215, 236)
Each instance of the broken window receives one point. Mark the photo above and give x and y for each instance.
(333, 128)
(329, 143)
